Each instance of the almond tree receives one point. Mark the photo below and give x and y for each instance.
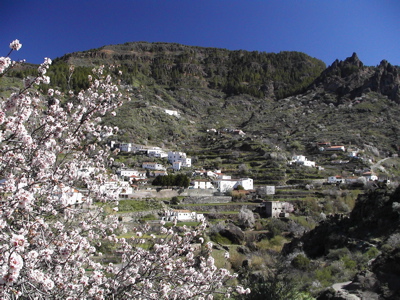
(47, 243)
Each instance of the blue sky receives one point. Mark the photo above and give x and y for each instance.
(325, 29)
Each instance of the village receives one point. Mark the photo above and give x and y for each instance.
(205, 185)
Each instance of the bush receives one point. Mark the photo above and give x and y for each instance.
(218, 238)
(336, 254)
(324, 275)
(175, 200)
(276, 226)
(301, 262)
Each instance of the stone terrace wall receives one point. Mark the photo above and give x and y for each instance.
(169, 193)
(206, 199)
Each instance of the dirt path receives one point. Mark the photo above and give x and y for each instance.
(376, 165)
(339, 287)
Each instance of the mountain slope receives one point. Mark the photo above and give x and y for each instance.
(287, 99)
(233, 72)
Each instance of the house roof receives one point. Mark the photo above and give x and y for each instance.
(367, 174)
(336, 146)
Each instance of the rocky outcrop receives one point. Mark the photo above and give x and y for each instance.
(372, 217)
(386, 269)
(233, 233)
(385, 80)
(351, 79)
(375, 217)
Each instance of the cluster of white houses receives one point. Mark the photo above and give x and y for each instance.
(177, 159)
(129, 180)
(214, 180)
(365, 176)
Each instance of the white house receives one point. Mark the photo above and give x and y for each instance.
(220, 175)
(224, 185)
(177, 165)
(302, 160)
(137, 148)
(125, 189)
(182, 215)
(335, 148)
(152, 166)
(68, 195)
(336, 179)
(159, 153)
(174, 157)
(277, 209)
(353, 153)
(205, 173)
(246, 183)
(125, 147)
(202, 184)
(369, 176)
(130, 147)
(118, 188)
(172, 112)
(130, 173)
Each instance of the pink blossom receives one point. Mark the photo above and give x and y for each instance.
(15, 45)
(49, 232)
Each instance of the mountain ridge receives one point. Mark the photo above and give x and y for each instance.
(284, 98)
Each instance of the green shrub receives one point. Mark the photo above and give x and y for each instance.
(336, 254)
(276, 227)
(175, 200)
(324, 275)
(348, 262)
(218, 238)
(301, 262)
(372, 253)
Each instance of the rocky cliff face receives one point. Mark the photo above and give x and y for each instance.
(374, 222)
(350, 79)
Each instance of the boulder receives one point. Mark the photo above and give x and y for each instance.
(233, 233)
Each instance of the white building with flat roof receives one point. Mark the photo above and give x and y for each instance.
(202, 184)
(225, 185)
(152, 166)
(179, 160)
(182, 215)
(302, 160)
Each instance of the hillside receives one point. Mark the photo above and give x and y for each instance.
(284, 103)
(280, 98)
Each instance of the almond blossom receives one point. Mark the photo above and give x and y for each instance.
(15, 45)
(48, 241)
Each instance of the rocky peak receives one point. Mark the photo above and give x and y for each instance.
(350, 79)
(354, 60)
(385, 80)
